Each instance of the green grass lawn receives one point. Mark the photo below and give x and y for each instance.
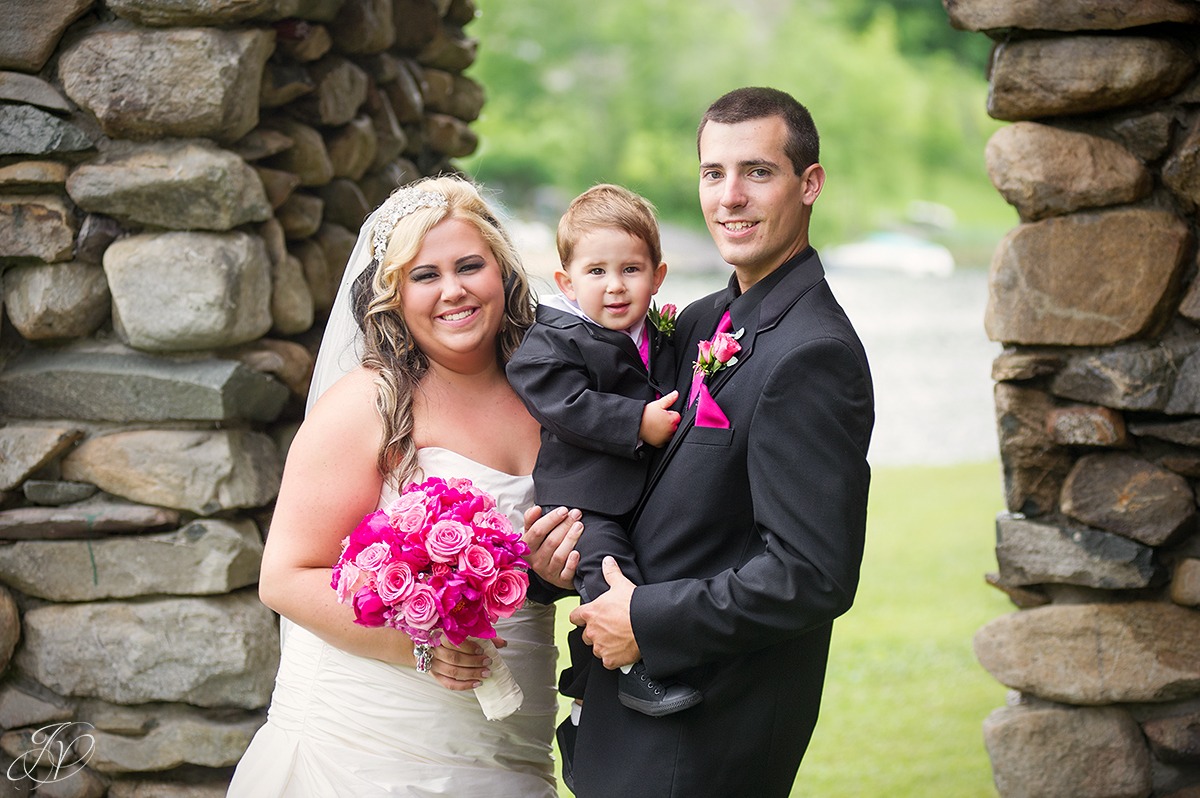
(905, 698)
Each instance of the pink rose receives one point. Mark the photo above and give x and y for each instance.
(477, 563)
(663, 318)
(373, 557)
(714, 355)
(446, 539)
(724, 347)
(467, 489)
(420, 610)
(506, 595)
(347, 581)
(395, 582)
(369, 609)
(494, 520)
(404, 502)
(408, 513)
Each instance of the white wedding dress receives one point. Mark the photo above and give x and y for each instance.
(343, 725)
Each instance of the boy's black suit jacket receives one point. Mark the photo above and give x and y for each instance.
(586, 385)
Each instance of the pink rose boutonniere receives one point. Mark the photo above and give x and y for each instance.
(717, 353)
(439, 562)
(663, 318)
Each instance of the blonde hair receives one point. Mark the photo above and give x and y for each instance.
(606, 205)
(388, 347)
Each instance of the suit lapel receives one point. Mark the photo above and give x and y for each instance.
(765, 314)
(749, 333)
(778, 297)
(617, 338)
(561, 319)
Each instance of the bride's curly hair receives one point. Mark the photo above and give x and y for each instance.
(388, 347)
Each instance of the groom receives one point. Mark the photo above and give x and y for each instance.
(750, 533)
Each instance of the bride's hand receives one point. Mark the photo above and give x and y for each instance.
(461, 667)
(551, 539)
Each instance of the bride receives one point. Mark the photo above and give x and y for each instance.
(409, 384)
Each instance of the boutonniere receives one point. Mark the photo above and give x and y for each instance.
(663, 318)
(717, 353)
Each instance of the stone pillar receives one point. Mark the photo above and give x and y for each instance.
(1096, 299)
(181, 182)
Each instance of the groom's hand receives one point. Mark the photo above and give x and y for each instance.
(605, 621)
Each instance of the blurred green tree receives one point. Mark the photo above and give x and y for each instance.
(581, 93)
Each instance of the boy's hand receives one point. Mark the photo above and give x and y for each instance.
(659, 421)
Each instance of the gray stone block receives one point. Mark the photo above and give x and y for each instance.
(1033, 553)
(204, 472)
(212, 652)
(131, 386)
(206, 557)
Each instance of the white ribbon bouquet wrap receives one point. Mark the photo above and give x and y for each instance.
(499, 695)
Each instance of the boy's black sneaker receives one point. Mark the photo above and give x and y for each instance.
(639, 691)
(566, 733)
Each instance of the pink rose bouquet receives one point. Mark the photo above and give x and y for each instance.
(440, 562)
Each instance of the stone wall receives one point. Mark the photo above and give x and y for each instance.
(181, 182)
(1096, 298)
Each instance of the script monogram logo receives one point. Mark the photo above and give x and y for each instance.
(61, 750)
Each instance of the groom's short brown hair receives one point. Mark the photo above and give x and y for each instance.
(803, 145)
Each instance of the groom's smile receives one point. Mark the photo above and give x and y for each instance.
(754, 203)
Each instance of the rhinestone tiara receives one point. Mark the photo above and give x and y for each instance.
(401, 203)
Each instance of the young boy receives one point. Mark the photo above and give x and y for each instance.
(586, 371)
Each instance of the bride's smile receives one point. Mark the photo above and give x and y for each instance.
(452, 294)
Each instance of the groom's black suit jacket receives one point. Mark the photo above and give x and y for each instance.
(749, 540)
